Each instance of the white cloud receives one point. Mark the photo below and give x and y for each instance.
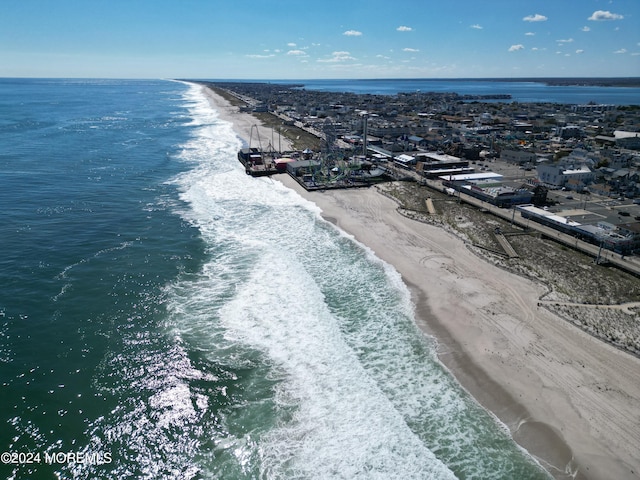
(296, 52)
(529, 34)
(410, 50)
(568, 40)
(291, 44)
(515, 48)
(622, 50)
(477, 27)
(579, 51)
(602, 15)
(260, 56)
(585, 29)
(403, 28)
(352, 33)
(337, 57)
(535, 18)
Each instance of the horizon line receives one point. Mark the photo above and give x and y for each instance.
(511, 78)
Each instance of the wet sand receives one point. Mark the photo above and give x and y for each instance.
(571, 400)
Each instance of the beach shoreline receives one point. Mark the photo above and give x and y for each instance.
(243, 122)
(569, 399)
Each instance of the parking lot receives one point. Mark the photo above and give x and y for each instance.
(582, 207)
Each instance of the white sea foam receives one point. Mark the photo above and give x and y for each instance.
(357, 391)
(343, 426)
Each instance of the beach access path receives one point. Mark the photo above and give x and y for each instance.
(571, 400)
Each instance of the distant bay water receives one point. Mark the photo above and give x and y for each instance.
(520, 91)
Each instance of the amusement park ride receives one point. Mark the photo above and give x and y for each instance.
(330, 168)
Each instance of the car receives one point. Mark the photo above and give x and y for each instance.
(569, 197)
(623, 213)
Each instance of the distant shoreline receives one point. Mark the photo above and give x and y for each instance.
(561, 91)
(573, 81)
(632, 82)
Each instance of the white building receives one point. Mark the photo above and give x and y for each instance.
(629, 140)
(556, 175)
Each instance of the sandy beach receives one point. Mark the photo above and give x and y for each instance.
(571, 400)
(244, 122)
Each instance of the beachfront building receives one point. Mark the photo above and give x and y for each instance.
(632, 232)
(501, 196)
(404, 161)
(435, 164)
(608, 236)
(489, 188)
(623, 239)
(550, 219)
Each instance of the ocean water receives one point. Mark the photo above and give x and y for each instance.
(164, 315)
(520, 91)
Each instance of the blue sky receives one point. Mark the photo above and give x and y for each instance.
(302, 39)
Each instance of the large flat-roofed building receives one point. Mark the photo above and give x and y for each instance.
(629, 140)
(501, 196)
(593, 108)
(437, 157)
(518, 156)
(622, 239)
(433, 164)
(466, 177)
(548, 218)
(488, 188)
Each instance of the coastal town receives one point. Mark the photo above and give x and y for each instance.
(573, 168)
(506, 177)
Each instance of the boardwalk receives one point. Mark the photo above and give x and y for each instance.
(630, 264)
(504, 243)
